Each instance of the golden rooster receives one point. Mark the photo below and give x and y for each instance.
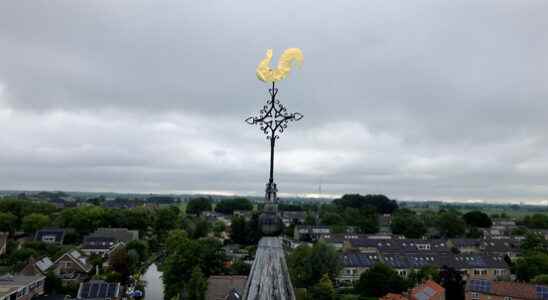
(288, 57)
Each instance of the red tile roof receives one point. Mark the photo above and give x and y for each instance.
(391, 296)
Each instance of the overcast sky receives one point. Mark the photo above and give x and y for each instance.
(421, 100)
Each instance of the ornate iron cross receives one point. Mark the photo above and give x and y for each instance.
(273, 119)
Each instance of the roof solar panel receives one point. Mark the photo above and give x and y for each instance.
(480, 285)
(542, 292)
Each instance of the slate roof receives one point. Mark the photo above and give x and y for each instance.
(57, 233)
(508, 289)
(501, 245)
(359, 260)
(11, 283)
(402, 245)
(105, 238)
(98, 289)
(80, 259)
(468, 261)
(418, 260)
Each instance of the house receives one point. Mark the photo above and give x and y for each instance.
(3, 243)
(398, 246)
(475, 265)
(501, 247)
(354, 264)
(465, 245)
(480, 266)
(99, 289)
(21, 287)
(223, 287)
(310, 233)
(481, 289)
(338, 240)
(428, 290)
(72, 267)
(37, 267)
(50, 236)
(104, 240)
(293, 217)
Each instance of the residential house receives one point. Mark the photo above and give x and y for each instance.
(385, 220)
(224, 287)
(3, 243)
(104, 240)
(481, 289)
(476, 265)
(428, 290)
(72, 267)
(398, 246)
(465, 245)
(21, 287)
(392, 296)
(37, 267)
(354, 264)
(502, 247)
(484, 266)
(99, 289)
(338, 240)
(309, 232)
(293, 217)
(50, 235)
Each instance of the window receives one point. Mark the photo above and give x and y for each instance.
(483, 272)
(475, 296)
(507, 298)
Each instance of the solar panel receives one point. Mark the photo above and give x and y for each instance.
(103, 290)
(542, 292)
(480, 285)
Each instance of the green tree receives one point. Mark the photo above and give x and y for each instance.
(531, 266)
(307, 264)
(8, 222)
(197, 285)
(332, 219)
(183, 255)
(450, 224)
(323, 290)
(534, 242)
(228, 206)
(197, 206)
(141, 247)
(35, 221)
(407, 223)
(380, 280)
(540, 279)
(477, 218)
(381, 203)
(120, 263)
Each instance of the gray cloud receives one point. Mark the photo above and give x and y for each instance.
(419, 100)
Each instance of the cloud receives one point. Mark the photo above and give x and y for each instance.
(419, 100)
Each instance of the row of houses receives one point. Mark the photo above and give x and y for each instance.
(470, 265)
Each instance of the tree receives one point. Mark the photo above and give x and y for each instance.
(365, 219)
(380, 280)
(228, 206)
(451, 280)
(141, 247)
(8, 222)
(238, 230)
(450, 224)
(183, 255)
(331, 219)
(323, 290)
(166, 219)
(119, 262)
(34, 222)
(407, 223)
(197, 206)
(307, 264)
(536, 221)
(531, 266)
(381, 203)
(477, 218)
(197, 285)
(534, 242)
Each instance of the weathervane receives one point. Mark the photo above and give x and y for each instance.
(272, 120)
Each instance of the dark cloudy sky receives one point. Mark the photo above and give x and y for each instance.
(438, 99)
